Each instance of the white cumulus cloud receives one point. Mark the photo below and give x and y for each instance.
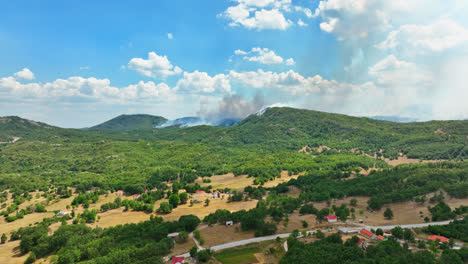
(202, 83)
(24, 74)
(263, 14)
(263, 56)
(155, 66)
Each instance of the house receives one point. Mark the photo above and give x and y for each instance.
(173, 235)
(119, 193)
(146, 190)
(229, 223)
(362, 244)
(62, 212)
(331, 218)
(367, 233)
(177, 260)
(442, 239)
(154, 189)
(381, 238)
(135, 197)
(216, 195)
(200, 192)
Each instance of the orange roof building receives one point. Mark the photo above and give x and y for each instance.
(367, 233)
(441, 238)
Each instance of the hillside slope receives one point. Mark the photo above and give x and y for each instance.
(130, 122)
(277, 129)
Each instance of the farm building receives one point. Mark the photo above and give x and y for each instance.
(216, 195)
(331, 218)
(442, 239)
(177, 260)
(119, 193)
(62, 212)
(362, 244)
(200, 192)
(367, 233)
(135, 197)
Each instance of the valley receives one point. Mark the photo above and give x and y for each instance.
(125, 185)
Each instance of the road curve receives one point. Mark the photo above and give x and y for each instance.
(245, 242)
(266, 238)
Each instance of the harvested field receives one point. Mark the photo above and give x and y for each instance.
(10, 253)
(182, 248)
(212, 235)
(241, 181)
(404, 212)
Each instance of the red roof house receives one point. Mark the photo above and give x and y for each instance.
(367, 233)
(136, 196)
(154, 189)
(177, 260)
(331, 218)
(119, 193)
(200, 192)
(441, 238)
(379, 237)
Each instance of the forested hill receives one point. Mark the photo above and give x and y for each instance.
(13, 126)
(292, 129)
(130, 122)
(276, 129)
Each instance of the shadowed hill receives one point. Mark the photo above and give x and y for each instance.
(130, 122)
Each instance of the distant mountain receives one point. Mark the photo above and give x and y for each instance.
(130, 122)
(16, 127)
(397, 119)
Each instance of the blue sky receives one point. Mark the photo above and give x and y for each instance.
(78, 63)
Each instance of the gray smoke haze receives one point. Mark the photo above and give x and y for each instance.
(232, 106)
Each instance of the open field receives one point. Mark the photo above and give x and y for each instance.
(238, 256)
(252, 253)
(10, 253)
(212, 235)
(240, 182)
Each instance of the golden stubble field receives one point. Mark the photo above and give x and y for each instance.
(240, 182)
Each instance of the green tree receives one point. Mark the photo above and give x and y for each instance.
(182, 237)
(397, 232)
(4, 238)
(183, 198)
(408, 235)
(174, 200)
(207, 202)
(165, 208)
(388, 214)
(31, 258)
(204, 255)
(193, 251)
(353, 202)
(189, 222)
(379, 231)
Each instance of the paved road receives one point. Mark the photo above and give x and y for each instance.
(272, 237)
(246, 241)
(386, 227)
